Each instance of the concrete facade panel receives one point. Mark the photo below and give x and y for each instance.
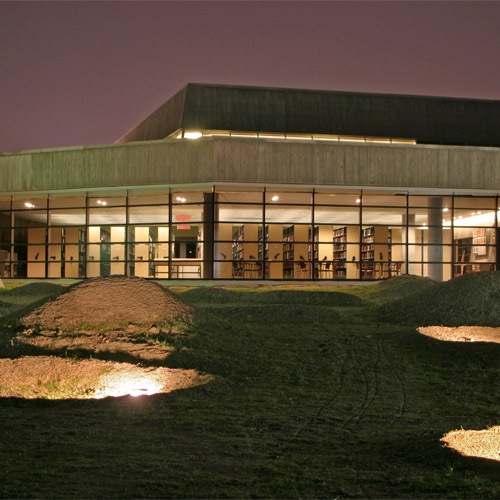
(252, 161)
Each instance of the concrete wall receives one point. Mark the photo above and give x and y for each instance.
(254, 161)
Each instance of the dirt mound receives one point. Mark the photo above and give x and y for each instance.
(472, 299)
(462, 333)
(109, 301)
(482, 444)
(50, 377)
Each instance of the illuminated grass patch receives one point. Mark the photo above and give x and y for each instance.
(470, 443)
(50, 377)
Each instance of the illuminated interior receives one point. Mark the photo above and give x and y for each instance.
(247, 232)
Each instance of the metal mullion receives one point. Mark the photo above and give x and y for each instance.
(497, 234)
(453, 261)
(47, 222)
(169, 233)
(214, 197)
(407, 231)
(360, 235)
(263, 260)
(12, 233)
(127, 221)
(87, 220)
(313, 260)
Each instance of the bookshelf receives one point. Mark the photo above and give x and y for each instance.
(271, 250)
(245, 249)
(321, 249)
(295, 252)
(345, 252)
(374, 251)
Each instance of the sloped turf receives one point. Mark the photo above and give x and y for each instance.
(213, 295)
(473, 299)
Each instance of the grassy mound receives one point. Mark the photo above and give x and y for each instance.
(277, 313)
(473, 299)
(395, 288)
(204, 295)
(33, 290)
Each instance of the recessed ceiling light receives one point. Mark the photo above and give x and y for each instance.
(29, 205)
(358, 200)
(275, 198)
(445, 209)
(181, 199)
(102, 202)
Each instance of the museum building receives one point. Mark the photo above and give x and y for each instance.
(247, 183)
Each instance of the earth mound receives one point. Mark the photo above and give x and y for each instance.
(467, 300)
(472, 443)
(109, 301)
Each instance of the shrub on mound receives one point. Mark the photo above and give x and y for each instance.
(473, 299)
(107, 302)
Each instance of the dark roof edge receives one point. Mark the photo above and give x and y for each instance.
(132, 134)
(337, 92)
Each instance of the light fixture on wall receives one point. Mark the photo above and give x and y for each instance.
(192, 135)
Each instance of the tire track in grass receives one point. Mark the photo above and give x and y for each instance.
(368, 398)
(403, 395)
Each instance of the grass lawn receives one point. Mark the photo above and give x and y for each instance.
(315, 395)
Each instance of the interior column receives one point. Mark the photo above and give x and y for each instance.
(435, 238)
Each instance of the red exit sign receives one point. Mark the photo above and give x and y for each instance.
(182, 217)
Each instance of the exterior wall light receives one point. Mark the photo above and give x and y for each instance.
(192, 135)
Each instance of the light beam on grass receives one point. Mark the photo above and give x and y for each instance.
(117, 385)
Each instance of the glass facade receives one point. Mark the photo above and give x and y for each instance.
(242, 232)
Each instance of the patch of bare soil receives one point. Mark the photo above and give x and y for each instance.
(481, 444)
(110, 301)
(462, 333)
(57, 378)
(113, 343)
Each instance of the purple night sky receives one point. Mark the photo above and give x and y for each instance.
(80, 73)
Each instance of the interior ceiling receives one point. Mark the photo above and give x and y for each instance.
(235, 213)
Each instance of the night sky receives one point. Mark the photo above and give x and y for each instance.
(80, 73)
